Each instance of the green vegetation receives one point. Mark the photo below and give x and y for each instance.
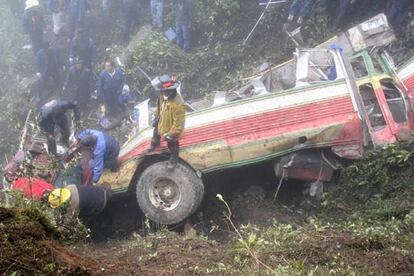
(29, 239)
(365, 227)
(219, 60)
(15, 67)
(366, 224)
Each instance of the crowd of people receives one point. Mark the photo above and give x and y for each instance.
(58, 95)
(69, 19)
(343, 12)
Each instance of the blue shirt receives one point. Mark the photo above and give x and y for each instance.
(108, 84)
(98, 152)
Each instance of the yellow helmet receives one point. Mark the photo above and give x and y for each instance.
(58, 197)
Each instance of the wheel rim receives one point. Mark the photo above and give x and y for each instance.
(164, 194)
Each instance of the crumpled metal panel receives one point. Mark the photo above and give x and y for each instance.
(373, 32)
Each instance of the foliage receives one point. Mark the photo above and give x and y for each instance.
(14, 68)
(219, 60)
(378, 187)
(72, 231)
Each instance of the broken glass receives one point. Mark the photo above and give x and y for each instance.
(395, 100)
(359, 67)
(372, 107)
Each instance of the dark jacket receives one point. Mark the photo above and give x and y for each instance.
(56, 6)
(83, 48)
(92, 200)
(184, 11)
(33, 21)
(49, 61)
(79, 80)
(105, 151)
(55, 109)
(108, 84)
(77, 9)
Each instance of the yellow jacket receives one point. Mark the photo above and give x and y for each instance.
(171, 116)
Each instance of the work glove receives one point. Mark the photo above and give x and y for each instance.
(155, 121)
(168, 137)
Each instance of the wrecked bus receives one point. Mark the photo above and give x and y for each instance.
(306, 116)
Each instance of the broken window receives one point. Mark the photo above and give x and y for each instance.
(359, 67)
(377, 66)
(395, 100)
(316, 66)
(371, 105)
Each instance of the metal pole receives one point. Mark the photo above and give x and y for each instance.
(260, 18)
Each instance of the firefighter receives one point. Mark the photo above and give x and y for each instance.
(169, 119)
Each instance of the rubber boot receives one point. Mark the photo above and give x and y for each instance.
(152, 147)
(172, 163)
(174, 150)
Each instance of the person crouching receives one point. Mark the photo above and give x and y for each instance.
(83, 200)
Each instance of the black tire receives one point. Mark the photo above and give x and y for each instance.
(169, 196)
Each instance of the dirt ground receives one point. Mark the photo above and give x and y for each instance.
(29, 244)
(164, 252)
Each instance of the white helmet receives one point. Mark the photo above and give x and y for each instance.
(31, 4)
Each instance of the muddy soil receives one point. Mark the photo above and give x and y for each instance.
(28, 245)
(31, 245)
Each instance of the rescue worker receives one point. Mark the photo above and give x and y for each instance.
(184, 17)
(105, 151)
(49, 64)
(82, 47)
(34, 24)
(169, 118)
(130, 12)
(301, 7)
(110, 84)
(157, 11)
(84, 200)
(53, 114)
(79, 84)
(77, 13)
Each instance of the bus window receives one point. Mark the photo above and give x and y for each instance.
(359, 67)
(395, 100)
(377, 66)
(371, 105)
